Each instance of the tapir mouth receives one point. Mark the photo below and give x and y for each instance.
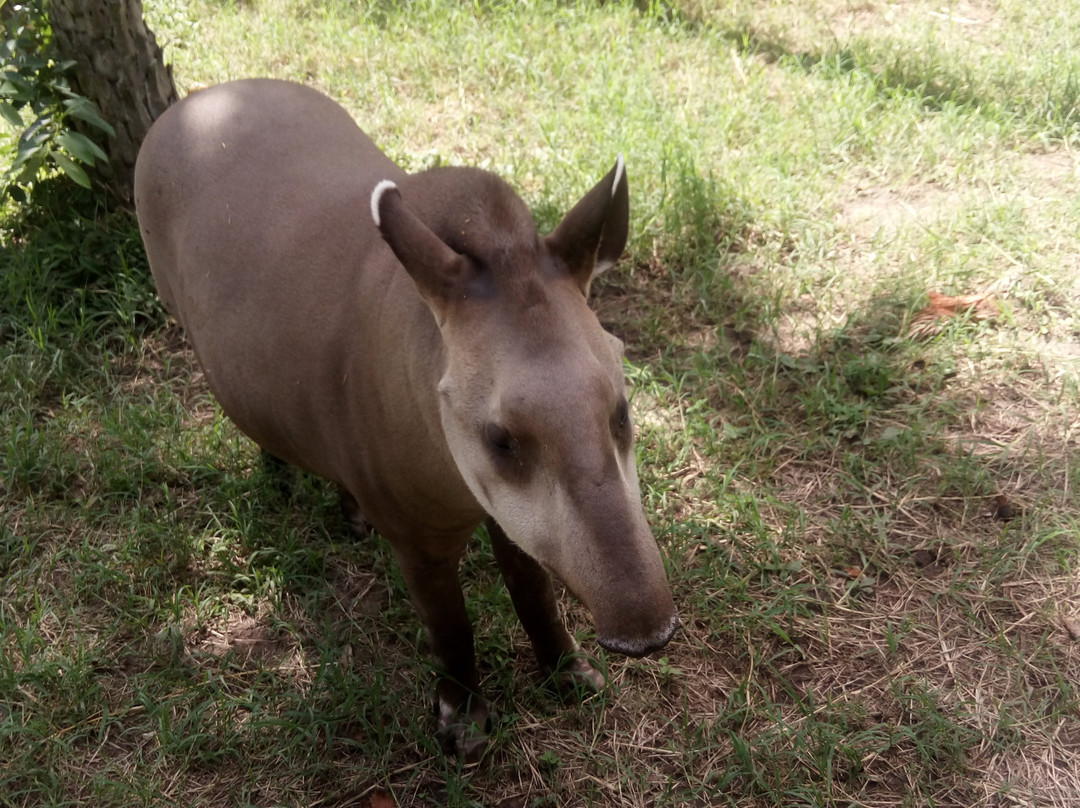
(640, 646)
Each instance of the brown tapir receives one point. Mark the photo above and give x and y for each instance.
(412, 338)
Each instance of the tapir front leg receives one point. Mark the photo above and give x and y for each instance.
(432, 579)
(536, 606)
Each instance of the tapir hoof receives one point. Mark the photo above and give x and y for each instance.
(463, 731)
(576, 678)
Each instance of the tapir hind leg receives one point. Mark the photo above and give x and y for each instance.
(432, 579)
(535, 603)
(350, 509)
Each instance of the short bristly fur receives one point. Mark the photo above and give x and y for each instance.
(415, 340)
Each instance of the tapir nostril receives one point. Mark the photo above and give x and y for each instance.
(639, 647)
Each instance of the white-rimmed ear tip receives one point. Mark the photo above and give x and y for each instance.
(376, 197)
(620, 169)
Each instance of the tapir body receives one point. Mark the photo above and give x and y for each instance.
(413, 339)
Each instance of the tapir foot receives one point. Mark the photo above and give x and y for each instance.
(350, 509)
(576, 678)
(463, 725)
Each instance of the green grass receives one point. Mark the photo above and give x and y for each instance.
(820, 470)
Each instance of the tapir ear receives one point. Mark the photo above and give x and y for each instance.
(593, 234)
(436, 269)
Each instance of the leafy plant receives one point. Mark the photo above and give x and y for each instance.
(35, 80)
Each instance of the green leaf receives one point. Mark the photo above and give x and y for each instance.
(71, 168)
(25, 155)
(84, 110)
(28, 64)
(80, 147)
(21, 86)
(35, 134)
(11, 115)
(30, 166)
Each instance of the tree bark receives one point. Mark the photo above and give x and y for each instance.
(119, 67)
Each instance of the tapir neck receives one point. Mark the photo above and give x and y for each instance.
(406, 460)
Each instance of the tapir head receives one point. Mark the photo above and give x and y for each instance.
(532, 396)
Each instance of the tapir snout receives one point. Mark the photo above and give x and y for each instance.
(639, 628)
(356, 320)
(642, 620)
(620, 578)
(640, 645)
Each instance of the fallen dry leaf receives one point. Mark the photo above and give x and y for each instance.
(517, 801)
(1002, 509)
(929, 321)
(1072, 625)
(380, 798)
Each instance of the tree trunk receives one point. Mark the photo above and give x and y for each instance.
(119, 67)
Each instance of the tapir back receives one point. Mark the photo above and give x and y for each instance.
(253, 199)
(235, 169)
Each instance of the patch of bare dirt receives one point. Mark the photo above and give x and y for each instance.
(1048, 173)
(796, 329)
(873, 212)
(245, 637)
(965, 19)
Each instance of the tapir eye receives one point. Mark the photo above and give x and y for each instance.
(620, 421)
(500, 441)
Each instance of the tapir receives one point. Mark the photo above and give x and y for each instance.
(414, 339)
